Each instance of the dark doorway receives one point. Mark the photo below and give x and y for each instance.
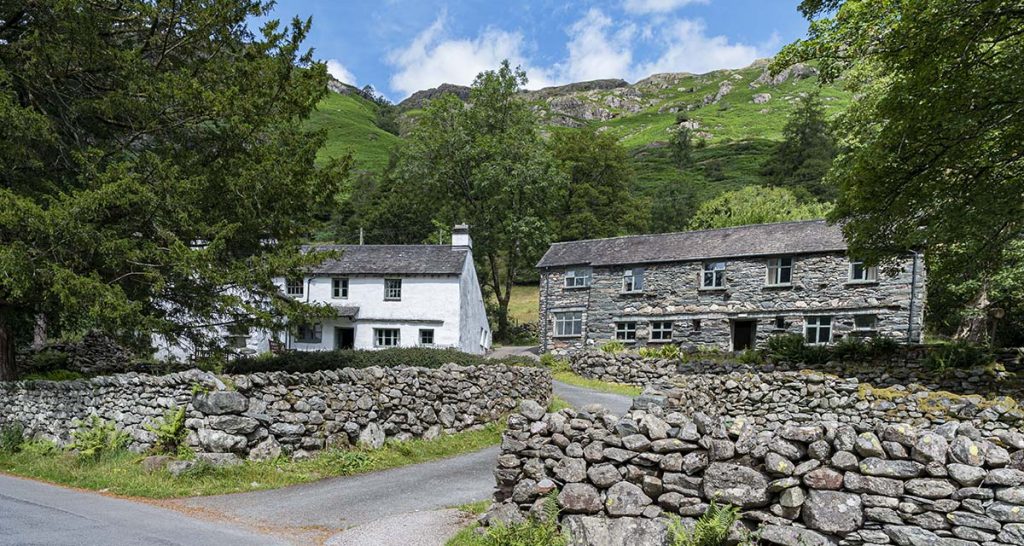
(344, 338)
(743, 334)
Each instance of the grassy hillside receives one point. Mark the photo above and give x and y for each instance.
(349, 121)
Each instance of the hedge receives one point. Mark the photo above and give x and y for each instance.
(311, 361)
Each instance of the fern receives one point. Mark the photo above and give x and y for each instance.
(711, 529)
(12, 437)
(97, 437)
(170, 432)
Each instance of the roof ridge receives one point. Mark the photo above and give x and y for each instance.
(730, 228)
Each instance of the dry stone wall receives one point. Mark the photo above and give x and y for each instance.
(819, 483)
(264, 415)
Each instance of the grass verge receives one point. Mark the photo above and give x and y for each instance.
(596, 384)
(120, 473)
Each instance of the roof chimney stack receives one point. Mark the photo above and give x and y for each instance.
(460, 236)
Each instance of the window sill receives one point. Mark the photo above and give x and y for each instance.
(631, 293)
(392, 299)
(860, 283)
(780, 285)
(576, 288)
(712, 289)
(577, 336)
(659, 341)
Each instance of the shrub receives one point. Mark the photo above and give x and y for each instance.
(48, 360)
(53, 375)
(851, 349)
(39, 448)
(554, 363)
(347, 461)
(170, 432)
(786, 347)
(649, 352)
(959, 355)
(312, 361)
(532, 532)
(613, 347)
(12, 437)
(751, 356)
(883, 347)
(669, 351)
(711, 529)
(97, 437)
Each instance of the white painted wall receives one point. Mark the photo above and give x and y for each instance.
(474, 331)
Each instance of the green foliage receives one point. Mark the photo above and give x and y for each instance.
(349, 461)
(170, 432)
(554, 363)
(666, 351)
(711, 529)
(682, 147)
(793, 348)
(48, 360)
(613, 347)
(669, 350)
(851, 349)
(38, 448)
(311, 361)
(133, 132)
(805, 156)
(95, 438)
(53, 375)
(755, 205)
(751, 356)
(931, 144)
(12, 437)
(958, 356)
(532, 532)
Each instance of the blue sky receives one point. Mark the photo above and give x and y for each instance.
(401, 46)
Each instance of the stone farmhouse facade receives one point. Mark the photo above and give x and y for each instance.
(385, 296)
(727, 288)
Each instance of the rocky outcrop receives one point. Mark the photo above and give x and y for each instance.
(798, 71)
(819, 483)
(420, 98)
(269, 414)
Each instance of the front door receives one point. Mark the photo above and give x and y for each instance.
(743, 334)
(344, 338)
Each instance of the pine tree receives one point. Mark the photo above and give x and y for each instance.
(805, 155)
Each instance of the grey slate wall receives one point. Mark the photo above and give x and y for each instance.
(672, 292)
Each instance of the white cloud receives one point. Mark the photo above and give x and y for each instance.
(340, 73)
(596, 49)
(657, 6)
(432, 59)
(686, 47)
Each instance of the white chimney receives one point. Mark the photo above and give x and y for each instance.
(460, 236)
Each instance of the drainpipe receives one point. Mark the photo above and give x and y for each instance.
(913, 293)
(544, 311)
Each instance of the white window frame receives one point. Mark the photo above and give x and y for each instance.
(295, 287)
(432, 338)
(578, 278)
(633, 280)
(817, 323)
(715, 271)
(237, 336)
(392, 289)
(309, 333)
(339, 288)
(387, 337)
(660, 328)
(873, 327)
(568, 324)
(776, 268)
(868, 274)
(625, 330)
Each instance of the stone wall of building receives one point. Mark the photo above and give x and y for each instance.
(263, 415)
(704, 317)
(818, 484)
(628, 368)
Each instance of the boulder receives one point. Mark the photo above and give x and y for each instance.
(626, 499)
(823, 478)
(266, 450)
(833, 512)
(579, 498)
(873, 466)
(218, 441)
(571, 470)
(531, 410)
(598, 531)
(371, 437)
(930, 448)
(929, 488)
(787, 535)
(737, 485)
(220, 402)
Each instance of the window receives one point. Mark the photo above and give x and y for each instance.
(714, 275)
(310, 333)
(625, 331)
(293, 287)
(392, 289)
(386, 337)
(238, 336)
(426, 336)
(780, 271)
(577, 278)
(695, 324)
(661, 331)
(569, 324)
(818, 329)
(861, 273)
(633, 280)
(780, 322)
(865, 322)
(339, 288)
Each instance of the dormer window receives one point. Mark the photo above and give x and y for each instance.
(633, 280)
(862, 273)
(714, 275)
(578, 278)
(780, 271)
(294, 287)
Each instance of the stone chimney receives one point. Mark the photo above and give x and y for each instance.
(460, 236)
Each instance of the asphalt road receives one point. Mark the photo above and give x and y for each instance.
(32, 512)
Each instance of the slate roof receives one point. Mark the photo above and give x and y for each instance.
(804, 237)
(394, 260)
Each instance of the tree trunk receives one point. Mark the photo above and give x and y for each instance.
(8, 371)
(974, 326)
(39, 338)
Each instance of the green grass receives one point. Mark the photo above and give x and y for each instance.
(350, 122)
(467, 536)
(476, 508)
(121, 474)
(597, 385)
(557, 404)
(524, 303)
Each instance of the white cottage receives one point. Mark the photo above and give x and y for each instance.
(385, 296)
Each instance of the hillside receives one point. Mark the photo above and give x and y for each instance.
(736, 117)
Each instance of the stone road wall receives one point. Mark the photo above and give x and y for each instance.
(817, 484)
(267, 414)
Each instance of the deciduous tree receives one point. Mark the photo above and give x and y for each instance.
(755, 205)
